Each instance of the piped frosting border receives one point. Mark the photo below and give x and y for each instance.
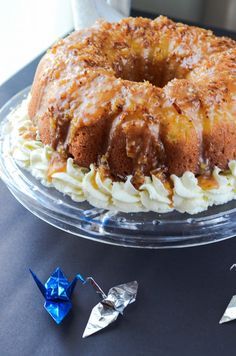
(82, 184)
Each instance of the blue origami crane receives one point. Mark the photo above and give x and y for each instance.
(57, 292)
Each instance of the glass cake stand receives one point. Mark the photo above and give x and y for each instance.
(145, 230)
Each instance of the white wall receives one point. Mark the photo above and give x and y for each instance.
(28, 27)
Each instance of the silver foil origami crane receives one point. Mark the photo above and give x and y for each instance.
(112, 304)
(230, 311)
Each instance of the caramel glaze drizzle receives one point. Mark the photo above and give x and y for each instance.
(107, 71)
(57, 164)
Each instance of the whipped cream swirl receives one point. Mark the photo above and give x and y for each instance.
(39, 163)
(154, 196)
(98, 190)
(70, 182)
(224, 192)
(188, 195)
(125, 197)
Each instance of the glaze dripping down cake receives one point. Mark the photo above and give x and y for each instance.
(142, 99)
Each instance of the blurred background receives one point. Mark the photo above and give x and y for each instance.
(28, 27)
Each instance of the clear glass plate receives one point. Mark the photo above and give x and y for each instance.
(146, 230)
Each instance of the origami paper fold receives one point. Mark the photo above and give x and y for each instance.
(57, 292)
(112, 304)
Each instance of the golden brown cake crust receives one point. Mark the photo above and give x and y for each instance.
(145, 94)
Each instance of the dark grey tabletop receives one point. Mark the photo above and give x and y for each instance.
(182, 292)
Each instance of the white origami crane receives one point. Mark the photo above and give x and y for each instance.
(86, 12)
(230, 311)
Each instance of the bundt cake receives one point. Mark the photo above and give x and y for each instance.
(141, 96)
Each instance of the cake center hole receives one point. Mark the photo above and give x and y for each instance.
(137, 69)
